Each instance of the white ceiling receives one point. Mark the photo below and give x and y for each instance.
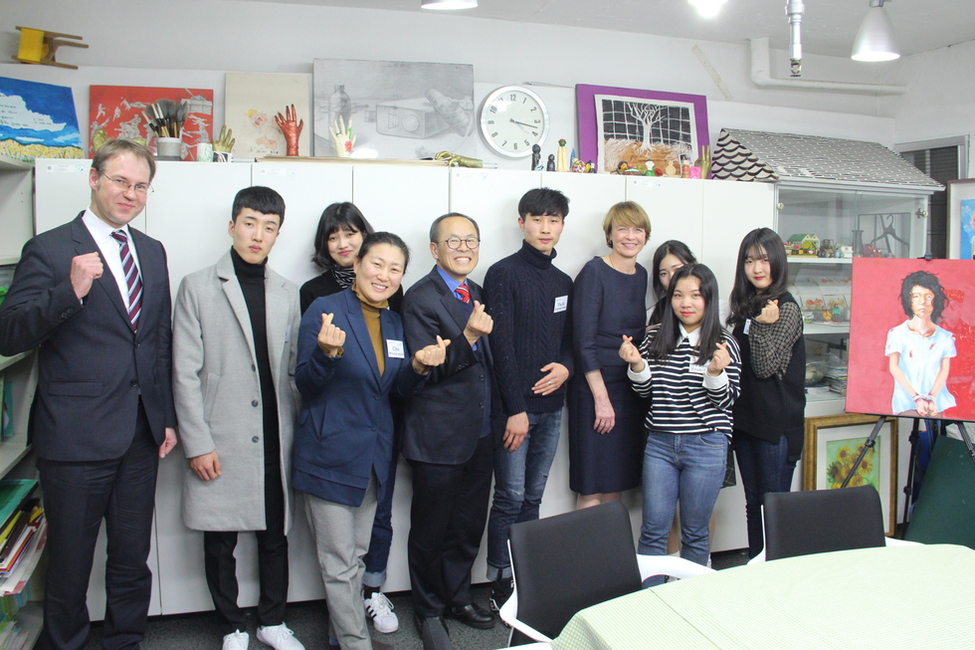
(828, 27)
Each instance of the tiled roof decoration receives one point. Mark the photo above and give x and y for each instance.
(761, 156)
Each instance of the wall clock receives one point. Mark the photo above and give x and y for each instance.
(514, 118)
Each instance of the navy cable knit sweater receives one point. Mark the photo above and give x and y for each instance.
(529, 300)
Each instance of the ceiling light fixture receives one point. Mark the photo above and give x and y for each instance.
(707, 8)
(875, 40)
(448, 5)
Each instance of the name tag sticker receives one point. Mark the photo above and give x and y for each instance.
(696, 369)
(395, 349)
(561, 303)
(748, 326)
(287, 334)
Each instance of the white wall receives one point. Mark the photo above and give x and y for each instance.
(191, 43)
(941, 103)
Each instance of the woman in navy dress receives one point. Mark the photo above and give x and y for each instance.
(606, 432)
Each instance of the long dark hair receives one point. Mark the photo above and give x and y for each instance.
(670, 247)
(337, 216)
(746, 301)
(668, 332)
(930, 282)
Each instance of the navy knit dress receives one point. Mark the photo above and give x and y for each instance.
(606, 305)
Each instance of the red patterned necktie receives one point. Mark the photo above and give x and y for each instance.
(132, 279)
(463, 292)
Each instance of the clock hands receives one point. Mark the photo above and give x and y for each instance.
(523, 124)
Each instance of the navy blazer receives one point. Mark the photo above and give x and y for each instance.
(345, 430)
(443, 420)
(92, 367)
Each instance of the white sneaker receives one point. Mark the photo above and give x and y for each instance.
(279, 637)
(236, 641)
(380, 610)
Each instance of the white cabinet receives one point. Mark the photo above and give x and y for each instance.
(189, 212)
(15, 208)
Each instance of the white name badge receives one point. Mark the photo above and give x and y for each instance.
(748, 326)
(395, 349)
(696, 369)
(561, 303)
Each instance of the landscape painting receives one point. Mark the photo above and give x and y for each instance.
(37, 120)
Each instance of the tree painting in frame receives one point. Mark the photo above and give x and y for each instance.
(832, 446)
(961, 219)
(37, 120)
(642, 128)
(912, 338)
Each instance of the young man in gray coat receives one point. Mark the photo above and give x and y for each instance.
(235, 333)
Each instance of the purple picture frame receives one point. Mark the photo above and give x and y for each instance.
(586, 113)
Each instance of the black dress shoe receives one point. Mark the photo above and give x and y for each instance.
(472, 615)
(433, 632)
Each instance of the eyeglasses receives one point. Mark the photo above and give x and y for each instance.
(454, 243)
(125, 186)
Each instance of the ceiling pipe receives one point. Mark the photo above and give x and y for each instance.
(762, 76)
(794, 10)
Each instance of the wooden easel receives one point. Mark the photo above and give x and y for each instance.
(38, 46)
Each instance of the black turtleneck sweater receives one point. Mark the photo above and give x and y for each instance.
(529, 300)
(251, 279)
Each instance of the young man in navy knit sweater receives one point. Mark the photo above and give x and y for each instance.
(528, 298)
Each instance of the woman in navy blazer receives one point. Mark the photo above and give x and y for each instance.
(351, 355)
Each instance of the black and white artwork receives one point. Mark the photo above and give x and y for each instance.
(398, 109)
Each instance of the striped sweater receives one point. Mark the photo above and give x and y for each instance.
(683, 397)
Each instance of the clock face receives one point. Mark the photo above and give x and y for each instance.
(512, 120)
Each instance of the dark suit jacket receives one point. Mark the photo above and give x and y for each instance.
(93, 368)
(443, 419)
(345, 430)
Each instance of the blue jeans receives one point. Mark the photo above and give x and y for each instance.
(519, 481)
(764, 467)
(382, 535)
(685, 467)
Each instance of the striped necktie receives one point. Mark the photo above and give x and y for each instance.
(463, 293)
(132, 279)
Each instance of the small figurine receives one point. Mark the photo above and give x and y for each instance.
(536, 156)
(563, 160)
(290, 128)
(578, 166)
(670, 170)
(590, 168)
(551, 163)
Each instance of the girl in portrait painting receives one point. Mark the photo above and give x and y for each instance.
(920, 351)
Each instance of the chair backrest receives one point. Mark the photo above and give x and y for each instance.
(818, 521)
(565, 563)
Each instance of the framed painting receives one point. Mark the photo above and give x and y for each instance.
(118, 112)
(252, 101)
(37, 120)
(833, 443)
(639, 127)
(961, 219)
(912, 338)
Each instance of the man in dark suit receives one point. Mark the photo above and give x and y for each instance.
(447, 437)
(94, 295)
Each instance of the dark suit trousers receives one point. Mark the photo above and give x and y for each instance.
(447, 518)
(272, 562)
(77, 496)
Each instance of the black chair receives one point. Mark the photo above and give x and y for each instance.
(819, 521)
(568, 562)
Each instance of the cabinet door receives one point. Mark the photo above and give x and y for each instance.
(307, 190)
(16, 208)
(491, 198)
(403, 200)
(675, 208)
(190, 210)
(732, 209)
(590, 198)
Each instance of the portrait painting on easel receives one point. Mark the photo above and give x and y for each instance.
(912, 338)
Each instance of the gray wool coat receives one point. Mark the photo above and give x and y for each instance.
(218, 394)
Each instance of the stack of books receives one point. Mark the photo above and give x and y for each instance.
(22, 532)
(836, 375)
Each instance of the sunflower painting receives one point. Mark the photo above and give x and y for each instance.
(839, 462)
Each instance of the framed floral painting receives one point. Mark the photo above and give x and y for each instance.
(833, 444)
